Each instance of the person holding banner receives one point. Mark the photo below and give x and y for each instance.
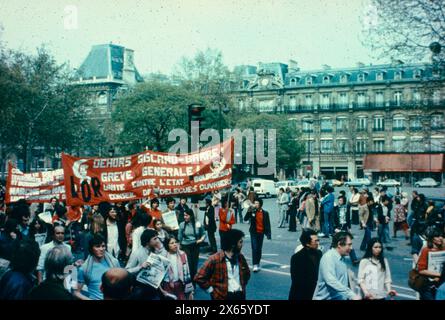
(191, 235)
(226, 219)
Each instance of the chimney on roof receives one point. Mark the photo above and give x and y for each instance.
(293, 66)
(360, 64)
(396, 62)
(326, 67)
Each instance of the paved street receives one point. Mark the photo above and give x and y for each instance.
(273, 281)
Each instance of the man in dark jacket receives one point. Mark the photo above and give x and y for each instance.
(259, 226)
(210, 225)
(304, 267)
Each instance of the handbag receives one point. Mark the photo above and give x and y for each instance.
(416, 281)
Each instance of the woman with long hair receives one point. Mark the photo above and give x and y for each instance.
(178, 281)
(374, 276)
(39, 232)
(191, 235)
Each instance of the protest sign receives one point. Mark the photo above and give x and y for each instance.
(34, 187)
(93, 180)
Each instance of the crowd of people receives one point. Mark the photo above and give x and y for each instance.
(54, 251)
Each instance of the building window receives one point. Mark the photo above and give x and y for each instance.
(308, 126)
(398, 144)
(292, 103)
(437, 144)
(309, 80)
(417, 74)
(326, 146)
(311, 146)
(436, 97)
(437, 121)
(241, 104)
(416, 96)
(398, 75)
(379, 123)
(416, 144)
(266, 105)
(361, 99)
(398, 124)
(308, 101)
(379, 76)
(102, 98)
(342, 124)
(326, 125)
(343, 99)
(326, 80)
(379, 101)
(360, 146)
(342, 146)
(293, 82)
(362, 124)
(361, 77)
(416, 123)
(398, 98)
(343, 78)
(325, 100)
(379, 145)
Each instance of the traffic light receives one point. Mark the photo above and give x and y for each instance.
(195, 114)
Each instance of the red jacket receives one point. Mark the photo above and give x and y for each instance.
(213, 273)
(223, 224)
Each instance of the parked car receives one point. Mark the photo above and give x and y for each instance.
(305, 183)
(427, 182)
(292, 185)
(388, 183)
(362, 182)
(264, 188)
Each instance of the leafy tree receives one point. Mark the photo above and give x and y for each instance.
(40, 109)
(149, 112)
(404, 28)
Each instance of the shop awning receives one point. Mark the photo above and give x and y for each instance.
(398, 162)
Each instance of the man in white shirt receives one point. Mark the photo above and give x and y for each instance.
(58, 237)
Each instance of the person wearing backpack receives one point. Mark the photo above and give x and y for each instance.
(191, 234)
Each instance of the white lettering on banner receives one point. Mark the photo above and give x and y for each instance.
(210, 176)
(122, 196)
(202, 157)
(171, 182)
(112, 162)
(167, 172)
(185, 190)
(165, 191)
(212, 185)
(114, 187)
(117, 176)
(143, 183)
(146, 192)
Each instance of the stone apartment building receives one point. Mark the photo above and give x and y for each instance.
(348, 113)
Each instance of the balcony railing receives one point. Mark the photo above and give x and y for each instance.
(378, 129)
(398, 129)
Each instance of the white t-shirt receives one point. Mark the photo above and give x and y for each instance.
(233, 275)
(113, 239)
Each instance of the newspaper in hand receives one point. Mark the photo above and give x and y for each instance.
(155, 273)
(436, 261)
(170, 220)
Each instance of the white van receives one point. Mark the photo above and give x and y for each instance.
(264, 188)
(292, 185)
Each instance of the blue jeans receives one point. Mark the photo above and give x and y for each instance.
(257, 246)
(366, 238)
(327, 226)
(383, 233)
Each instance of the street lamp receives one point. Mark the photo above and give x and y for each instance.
(311, 122)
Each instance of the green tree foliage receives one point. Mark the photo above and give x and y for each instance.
(40, 109)
(289, 146)
(148, 113)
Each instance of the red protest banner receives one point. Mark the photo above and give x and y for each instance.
(34, 187)
(93, 180)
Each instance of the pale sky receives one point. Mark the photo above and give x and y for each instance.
(311, 32)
